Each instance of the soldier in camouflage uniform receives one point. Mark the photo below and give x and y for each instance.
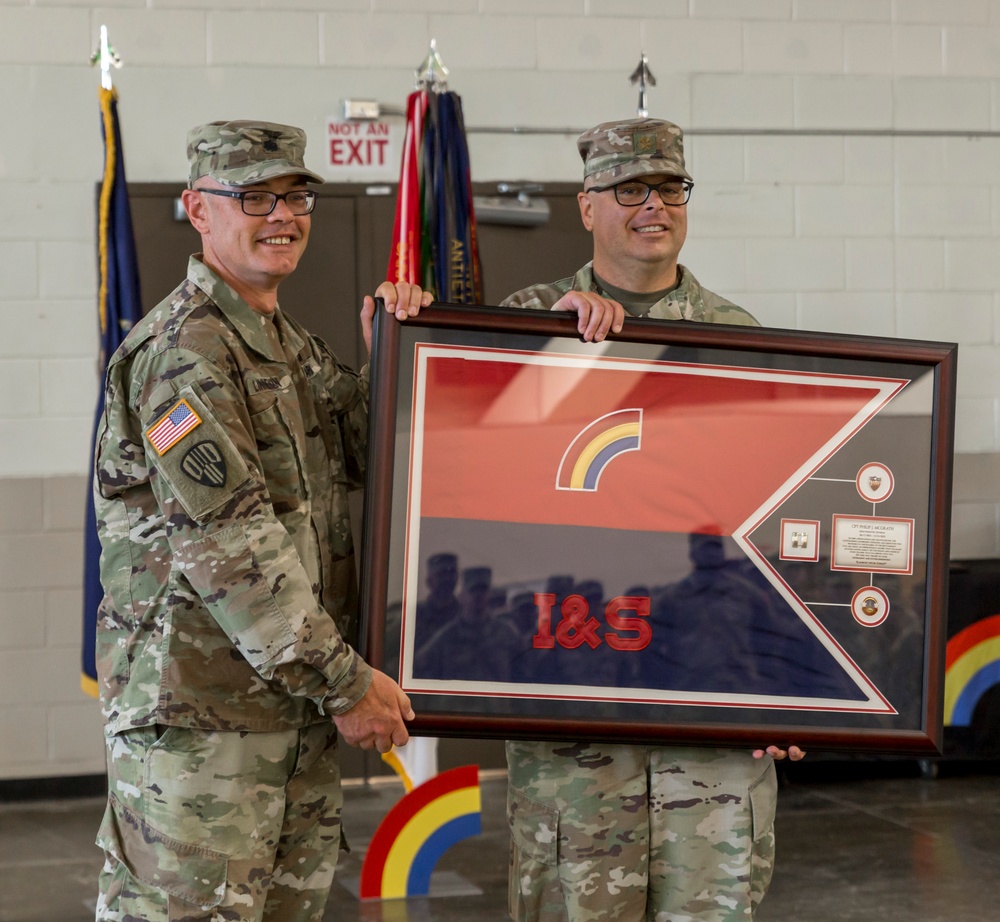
(624, 832)
(229, 442)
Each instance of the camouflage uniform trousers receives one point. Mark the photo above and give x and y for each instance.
(630, 833)
(212, 826)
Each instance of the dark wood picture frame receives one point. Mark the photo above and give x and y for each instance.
(691, 533)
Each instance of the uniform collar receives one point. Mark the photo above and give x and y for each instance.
(683, 302)
(256, 329)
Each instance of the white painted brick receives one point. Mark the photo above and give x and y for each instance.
(570, 7)
(88, 3)
(844, 10)
(945, 11)
(845, 211)
(64, 500)
(866, 313)
(843, 102)
(29, 727)
(21, 381)
(425, 6)
(979, 371)
(972, 265)
(647, 9)
(22, 619)
(175, 38)
(944, 210)
(794, 48)
(17, 148)
(919, 264)
(228, 4)
(44, 447)
(68, 269)
(69, 387)
(76, 732)
(974, 531)
(775, 309)
(567, 43)
(332, 5)
(715, 159)
(548, 91)
(869, 160)
(28, 561)
(972, 51)
(48, 211)
(975, 424)
(20, 669)
(746, 210)
(43, 36)
(478, 42)
(917, 50)
(33, 329)
(870, 264)
(795, 159)
(264, 39)
(742, 9)
(73, 112)
(745, 101)
(695, 46)
(20, 505)
(919, 160)
(354, 39)
(719, 264)
(19, 270)
(63, 614)
(552, 158)
(795, 264)
(971, 160)
(957, 104)
(963, 318)
(868, 48)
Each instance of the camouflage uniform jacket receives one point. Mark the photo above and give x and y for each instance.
(225, 454)
(686, 301)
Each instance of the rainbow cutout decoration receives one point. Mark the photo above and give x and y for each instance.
(595, 446)
(417, 831)
(972, 667)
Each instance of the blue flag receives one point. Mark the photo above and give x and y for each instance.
(119, 307)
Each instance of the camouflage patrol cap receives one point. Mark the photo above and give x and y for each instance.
(626, 149)
(239, 153)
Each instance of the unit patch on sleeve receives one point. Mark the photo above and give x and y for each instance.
(205, 464)
(173, 426)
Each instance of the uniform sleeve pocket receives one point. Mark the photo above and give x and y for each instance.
(191, 873)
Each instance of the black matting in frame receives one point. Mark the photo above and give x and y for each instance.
(691, 532)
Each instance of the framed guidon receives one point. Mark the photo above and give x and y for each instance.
(689, 533)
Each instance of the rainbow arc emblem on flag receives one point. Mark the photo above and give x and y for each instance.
(972, 668)
(417, 831)
(596, 446)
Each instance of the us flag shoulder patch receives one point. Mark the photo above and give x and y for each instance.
(170, 428)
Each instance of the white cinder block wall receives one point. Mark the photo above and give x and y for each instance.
(846, 155)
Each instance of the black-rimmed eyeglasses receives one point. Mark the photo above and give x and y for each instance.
(258, 203)
(634, 192)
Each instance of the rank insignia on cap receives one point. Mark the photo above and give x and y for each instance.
(644, 142)
(167, 431)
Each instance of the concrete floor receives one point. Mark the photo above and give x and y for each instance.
(858, 842)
